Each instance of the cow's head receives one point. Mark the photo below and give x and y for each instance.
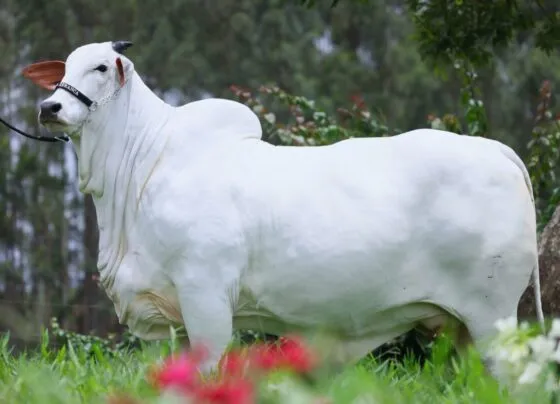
(97, 71)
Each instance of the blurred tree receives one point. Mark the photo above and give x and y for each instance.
(472, 30)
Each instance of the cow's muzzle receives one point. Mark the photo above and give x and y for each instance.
(49, 112)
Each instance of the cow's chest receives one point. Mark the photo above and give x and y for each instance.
(147, 305)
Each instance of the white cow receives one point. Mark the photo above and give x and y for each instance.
(204, 224)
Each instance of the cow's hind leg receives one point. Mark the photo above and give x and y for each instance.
(499, 301)
(478, 331)
(482, 333)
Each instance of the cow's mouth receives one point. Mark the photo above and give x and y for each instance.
(51, 118)
(53, 125)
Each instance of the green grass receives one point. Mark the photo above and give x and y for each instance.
(76, 375)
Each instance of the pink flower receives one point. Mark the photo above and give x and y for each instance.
(179, 372)
(237, 391)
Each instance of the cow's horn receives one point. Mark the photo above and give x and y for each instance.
(121, 46)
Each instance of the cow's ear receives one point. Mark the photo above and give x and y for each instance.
(120, 71)
(125, 68)
(45, 74)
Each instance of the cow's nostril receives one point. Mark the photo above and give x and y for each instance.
(56, 107)
(49, 109)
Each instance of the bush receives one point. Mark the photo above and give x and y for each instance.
(90, 344)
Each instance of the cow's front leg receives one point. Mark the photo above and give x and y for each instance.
(207, 315)
(207, 277)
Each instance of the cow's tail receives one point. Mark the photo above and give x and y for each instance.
(510, 154)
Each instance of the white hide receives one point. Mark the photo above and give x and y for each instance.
(202, 223)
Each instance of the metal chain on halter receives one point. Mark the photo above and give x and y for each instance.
(103, 101)
(107, 99)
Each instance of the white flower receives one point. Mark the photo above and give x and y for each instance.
(518, 353)
(555, 329)
(511, 351)
(542, 347)
(520, 359)
(506, 325)
(510, 361)
(270, 117)
(531, 372)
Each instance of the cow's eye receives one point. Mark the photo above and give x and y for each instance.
(101, 68)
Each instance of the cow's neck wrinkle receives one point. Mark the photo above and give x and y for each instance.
(115, 157)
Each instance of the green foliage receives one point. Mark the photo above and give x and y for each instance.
(450, 30)
(307, 124)
(90, 345)
(72, 375)
(471, 101)
(475, 118)
(466, 30)
(311, 3)
(544, 155)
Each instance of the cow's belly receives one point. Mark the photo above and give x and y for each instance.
(344, 322)
(346, 305)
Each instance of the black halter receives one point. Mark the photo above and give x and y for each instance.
(92, 105)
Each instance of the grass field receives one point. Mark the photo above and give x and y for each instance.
(90, 374)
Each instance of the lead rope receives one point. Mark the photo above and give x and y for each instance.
(62, 138)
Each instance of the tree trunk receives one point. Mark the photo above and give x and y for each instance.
(549, 268)
(91, 298)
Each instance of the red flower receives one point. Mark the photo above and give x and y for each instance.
(358, 101)
(236, 391)
(290, 354)
(233, 364)
(265, 357)
(234, 385)
(296, 355)
(179, 372)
